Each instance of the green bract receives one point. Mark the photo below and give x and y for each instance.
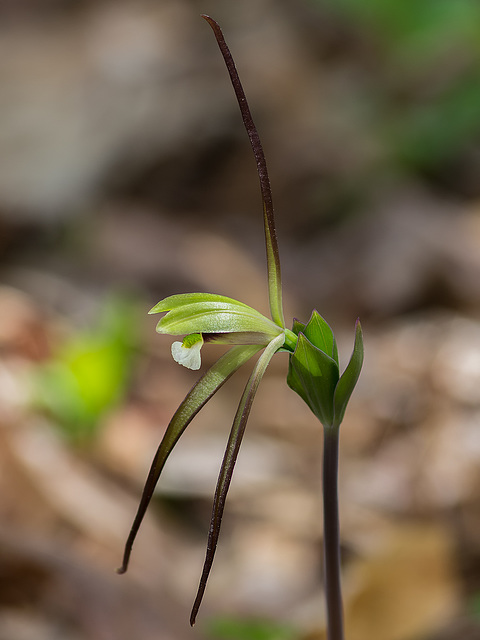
(314, 370)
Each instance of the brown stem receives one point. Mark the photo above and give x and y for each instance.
(331, 534)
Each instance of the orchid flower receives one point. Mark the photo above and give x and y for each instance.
(205, 318)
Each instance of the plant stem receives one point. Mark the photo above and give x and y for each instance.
(331, 534)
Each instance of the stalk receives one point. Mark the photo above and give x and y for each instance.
(331, 535)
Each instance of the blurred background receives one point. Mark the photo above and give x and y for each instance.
(126, 176)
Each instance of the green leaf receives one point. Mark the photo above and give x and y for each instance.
(314, 375)
(349, 378)
(228, 464)
(201, 392)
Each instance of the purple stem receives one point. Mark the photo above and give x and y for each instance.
(331, 534)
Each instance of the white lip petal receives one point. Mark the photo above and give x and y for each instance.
(187, 356)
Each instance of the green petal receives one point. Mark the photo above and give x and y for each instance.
(216, 317)
(314, 375)
(228, 464)
(201, 392)
(182, 299)
(349, 378)
(236, 337)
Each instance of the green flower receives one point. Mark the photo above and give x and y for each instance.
(207, 317)
(210, 318)
(204, 318)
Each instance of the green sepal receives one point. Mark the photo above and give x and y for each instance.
(197, 397)
(314, 375)
(228, 464)
(349, 377)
